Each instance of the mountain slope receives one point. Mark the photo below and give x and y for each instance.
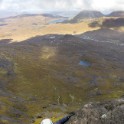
(46, 73)
(104, 35)
(116, 14)
(86, 15)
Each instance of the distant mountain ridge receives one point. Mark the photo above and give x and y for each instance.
(32, 15)
(86, 14)
(116, 14)
(92, 14)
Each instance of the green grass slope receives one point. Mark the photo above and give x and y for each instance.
(42, 76)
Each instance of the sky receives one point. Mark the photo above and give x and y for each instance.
(10, 7)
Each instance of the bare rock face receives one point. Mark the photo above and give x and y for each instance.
(111, 112)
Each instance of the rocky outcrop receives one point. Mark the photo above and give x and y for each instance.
(111, 112)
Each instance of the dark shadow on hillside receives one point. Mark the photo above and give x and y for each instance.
(113, 23)
(108, 23)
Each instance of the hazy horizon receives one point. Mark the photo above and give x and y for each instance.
(16, 7)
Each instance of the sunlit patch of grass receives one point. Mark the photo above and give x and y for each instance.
(121, 29)
(20, 33)
(109, 96)
(48, 52)
(5, 105)
(3, 121)
(2, 71)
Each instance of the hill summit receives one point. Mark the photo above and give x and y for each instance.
(87, 14)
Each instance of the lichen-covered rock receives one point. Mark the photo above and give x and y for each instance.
(111, 112)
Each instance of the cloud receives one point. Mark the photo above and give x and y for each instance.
(108, 5)
(38, 6)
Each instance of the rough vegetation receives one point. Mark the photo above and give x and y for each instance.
(43, 74)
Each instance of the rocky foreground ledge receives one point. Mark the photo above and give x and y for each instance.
(111, 112)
